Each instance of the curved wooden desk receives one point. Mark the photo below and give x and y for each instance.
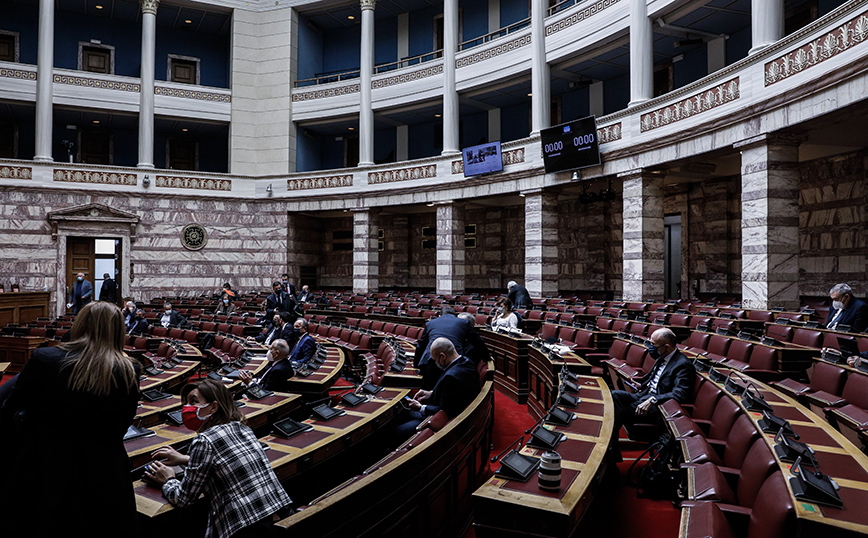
(837, 457)
(543, 370)
(511, 508)
(317, 384)
(510, 355)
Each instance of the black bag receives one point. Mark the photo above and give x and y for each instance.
(207, 342)
(659, 478)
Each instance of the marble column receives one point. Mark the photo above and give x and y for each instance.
(146, 95)
(366, 259)
(641, 53)
(450, 90)
(766, 23)
(400, 234)
(541, 243)
(643, 236)
(770, 222)
(450, 249)
(540, 80)
(45, 82)
(366, 70)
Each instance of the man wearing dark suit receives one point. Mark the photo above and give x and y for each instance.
(846, 310)
(80, 294)
(279, 301)
(518, 295)
(276, 376)
(672, 377)
(454, 391)
(109, 290)
(305, 349)
(139, 324)
(280, 329)
(475, 354)
(170, 318)
(287, 287)
(458, 331)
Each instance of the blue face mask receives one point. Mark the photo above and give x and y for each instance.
(652, 350)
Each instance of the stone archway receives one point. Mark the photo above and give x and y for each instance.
(91, 220)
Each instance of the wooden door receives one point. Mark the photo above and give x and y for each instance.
(80, 258)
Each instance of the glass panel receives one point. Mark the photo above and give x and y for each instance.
(105, 246)
(104, 265)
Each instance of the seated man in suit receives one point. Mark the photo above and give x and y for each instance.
(171, 318)
(672, 377)
(129, 312)
(454, 391)
(306, 296)
(846, 310)
(276, 376)
(518, 295)
(458, 331)
(305, 348)
(139, 324)
(279, 329)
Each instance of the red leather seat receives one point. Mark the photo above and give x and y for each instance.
(718, 346)
(739, 351)
(855, 392)
(710, 484)
(826, 377)
(548, 331)
(808, 337)
(738, 441)
(704, 404)
(781, 333)
(696, 343)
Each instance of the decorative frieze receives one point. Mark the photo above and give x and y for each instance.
(402, 174)
(407, 77)
(609, 133)
(692, 106)
(198, 183)
(16, 172)
(849, 34)
(323, 94)
(579, 16)
(488, 54)
(327, 182)
(193, 94)
(18, 73)
(514, 156)
(97, 83)
(100, 178)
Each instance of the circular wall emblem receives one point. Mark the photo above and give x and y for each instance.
(194, 237)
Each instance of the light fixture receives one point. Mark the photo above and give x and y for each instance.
(188, 21)
(351, 128)
(521, 194)
(351, 17)
(146, 182)
(430, 204)
(437, 115)
(96, 122)
(269, 189)
(530, 94)
(576, 176)
(184, 130)
(98, 6)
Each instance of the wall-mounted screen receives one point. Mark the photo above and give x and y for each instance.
(570, 146)
(482, 159)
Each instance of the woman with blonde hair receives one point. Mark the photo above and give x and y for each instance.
(63, 428)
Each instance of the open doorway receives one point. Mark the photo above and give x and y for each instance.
(94, 257)
(672, 256)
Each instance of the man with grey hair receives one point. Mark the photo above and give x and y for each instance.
(846, 310)
(129, 314)
(518, 295)
(672, 377)
(279, 370)
(456, 388)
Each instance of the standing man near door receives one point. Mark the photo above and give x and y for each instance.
(80, 294)
(109, 290)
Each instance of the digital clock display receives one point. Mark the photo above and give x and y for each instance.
(570, 146)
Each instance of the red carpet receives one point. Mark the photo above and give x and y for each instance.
(616, 511)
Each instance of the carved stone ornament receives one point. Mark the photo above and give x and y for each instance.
(194, 237)
(367, 4)
(149, 6)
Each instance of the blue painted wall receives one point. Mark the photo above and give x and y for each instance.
(737, 46)
(24, 20)
(475, 18)
(514, 122)
(307, 153)
(212, 51)
(310, 50)
(72, 28)
(385, 145)
(693, 67)
(422, 30)
(474, 129)
(341, 49)
(575, 104)
(425, 140)
(332, 153)
(385, 41)
(616, 94)
(513, 11)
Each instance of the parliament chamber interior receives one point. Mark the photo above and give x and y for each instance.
(697, 166)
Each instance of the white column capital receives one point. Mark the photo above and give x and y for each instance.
(149, 6)
(367, 4)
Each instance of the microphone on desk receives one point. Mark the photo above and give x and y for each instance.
(520, 442)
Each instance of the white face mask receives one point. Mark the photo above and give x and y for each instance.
(837, 305)
(80, 278)
(225, 301)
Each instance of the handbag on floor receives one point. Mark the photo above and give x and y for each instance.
(659, 477)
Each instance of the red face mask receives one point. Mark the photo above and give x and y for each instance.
(191, 418)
